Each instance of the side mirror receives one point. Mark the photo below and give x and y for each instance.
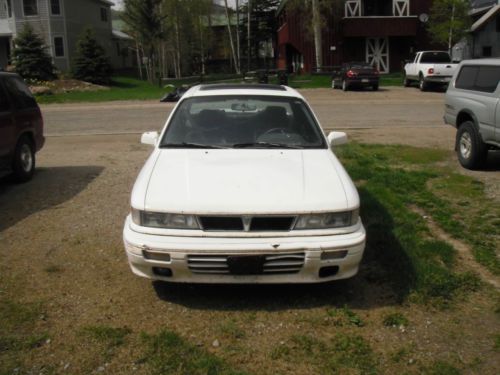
(337, 138)
(149, 138)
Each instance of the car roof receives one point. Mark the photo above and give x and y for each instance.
(241, 89)
(488, 61)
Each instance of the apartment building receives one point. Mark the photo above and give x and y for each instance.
(60, 24)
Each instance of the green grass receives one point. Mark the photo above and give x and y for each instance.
(395, 319)
(17, 333)
(344, 317)
(343, 353)
(110, 336)
(167, 353)
(392, 180)
(440, 368)
(127, 88)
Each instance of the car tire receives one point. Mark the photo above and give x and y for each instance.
(422, 85)
(345, 86)
(375, 87)
(471, 150)
(23, 165)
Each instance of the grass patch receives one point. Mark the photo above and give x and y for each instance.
(345, 316)
(106, 338)
(395, 319)
(167, 353)
(440, 368)
(496, 342)
(395, 178)
(231, 330)
(18, 334)
(344, 353)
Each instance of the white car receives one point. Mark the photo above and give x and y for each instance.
(429, 67)
(242, 187)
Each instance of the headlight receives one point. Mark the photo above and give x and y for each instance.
(327, 221)
(164, 220)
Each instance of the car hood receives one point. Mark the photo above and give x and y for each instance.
(247, 181)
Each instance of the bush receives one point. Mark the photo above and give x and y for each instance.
(30, 57)
(91, 63)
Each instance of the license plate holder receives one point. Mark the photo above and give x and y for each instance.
(246, 264)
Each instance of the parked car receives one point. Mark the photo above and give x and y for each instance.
(242, 186)
(175, 94)
(356, 74)
(429, 68)
(472, 105)
(21, 128)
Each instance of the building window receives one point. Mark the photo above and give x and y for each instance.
(487, 51)
(59, 46)
(55, 7)
(104, 15)
(30, 7)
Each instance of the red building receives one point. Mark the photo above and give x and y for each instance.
(382, 32)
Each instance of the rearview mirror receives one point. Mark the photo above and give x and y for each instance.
(149, 138)
(337, 138)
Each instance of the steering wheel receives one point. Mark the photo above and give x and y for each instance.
(274, 130)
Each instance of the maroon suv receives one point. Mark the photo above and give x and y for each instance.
(21, 128)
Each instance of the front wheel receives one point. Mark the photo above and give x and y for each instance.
(375, 87)
(406, 81)
(471, 150)
(23, 164)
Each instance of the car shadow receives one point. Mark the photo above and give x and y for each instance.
(493, 162)
(48, 188)
(384, 279)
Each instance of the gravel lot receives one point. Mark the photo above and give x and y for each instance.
(60, 237)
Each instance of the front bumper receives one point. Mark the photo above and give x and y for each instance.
(177, 252)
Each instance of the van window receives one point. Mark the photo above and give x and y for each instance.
(479, 78)
(467, 77)
(20, 93)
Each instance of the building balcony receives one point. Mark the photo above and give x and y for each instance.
(379, 26)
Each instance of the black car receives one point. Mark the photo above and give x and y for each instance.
(356, 74)
(21, 128)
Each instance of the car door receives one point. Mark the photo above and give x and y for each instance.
(412, 69)
(486, 86)
(7, 127)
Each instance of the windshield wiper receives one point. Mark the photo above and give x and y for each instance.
(265, 145)
(188, 145)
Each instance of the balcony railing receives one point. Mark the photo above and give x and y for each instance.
(377, 8)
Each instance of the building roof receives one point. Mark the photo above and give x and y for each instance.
(485, 18)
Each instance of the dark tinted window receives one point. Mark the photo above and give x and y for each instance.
(55, 7)
(487, 79)
(4, 101)
(20, 93)
(59, 46)
(30, 7)
(435, 58)
(467, 78)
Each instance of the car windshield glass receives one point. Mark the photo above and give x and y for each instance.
(435, 57)
(237, 121)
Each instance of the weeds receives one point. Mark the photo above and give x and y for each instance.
(395, 319)
(110, 336)
(167, 353)
(345, 316)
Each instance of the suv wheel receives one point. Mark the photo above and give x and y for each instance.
(24, 160)
(345, 85)
(470, 148)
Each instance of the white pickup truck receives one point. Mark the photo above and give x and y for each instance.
(429, 67)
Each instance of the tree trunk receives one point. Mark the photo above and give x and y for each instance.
(178, 72)
(318, 45)
(202, 48)
(238, 49)
(139, 62)
(249, 4)
(233, 52)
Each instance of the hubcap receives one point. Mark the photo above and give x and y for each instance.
(466, 145)
(26, 158)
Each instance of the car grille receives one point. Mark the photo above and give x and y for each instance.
(247, 223)
(272, 264)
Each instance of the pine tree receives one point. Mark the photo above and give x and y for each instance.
(30, 57)
(91, 63)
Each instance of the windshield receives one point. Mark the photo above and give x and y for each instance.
(435, 57)
(243, 122)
